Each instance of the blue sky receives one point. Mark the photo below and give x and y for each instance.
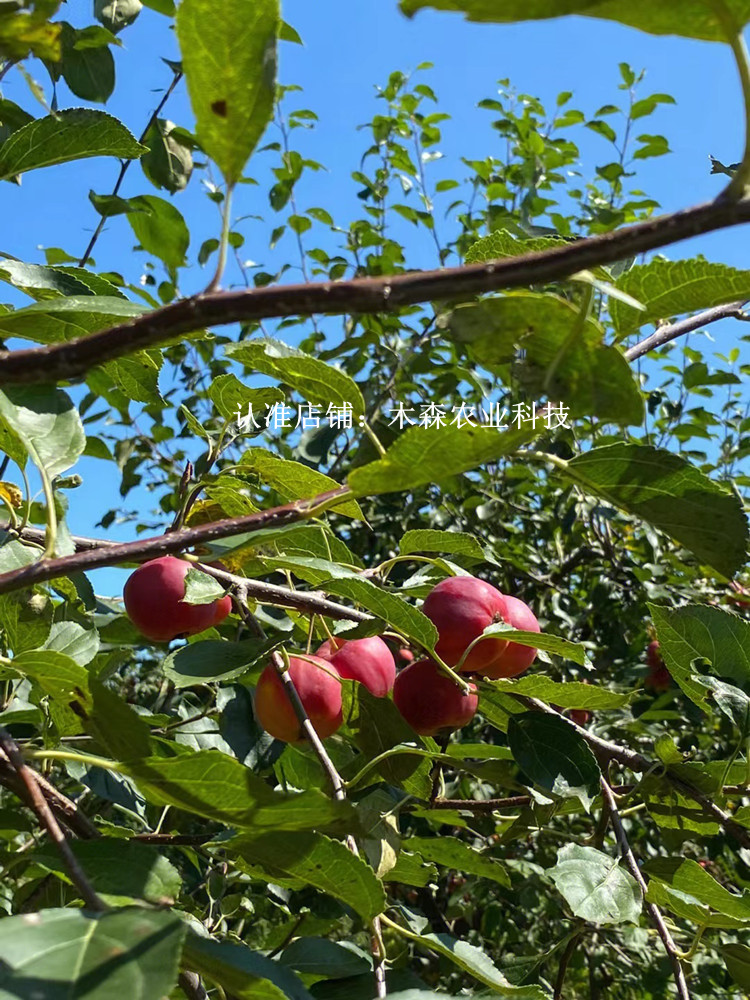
(348, 49)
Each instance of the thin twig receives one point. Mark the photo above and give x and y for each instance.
(564, 962)
(72, 359)
(126, 164)
(671, 331)
(339, 793)
(48, 821)
(654, 912)
(191, 986)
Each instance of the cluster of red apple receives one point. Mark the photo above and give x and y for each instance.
(460, 607)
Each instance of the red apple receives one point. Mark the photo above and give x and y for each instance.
(461, 608)
(153, 597)
(658, 678)
(319, 688)
(430, 701)
(515, 658)
(368, 661)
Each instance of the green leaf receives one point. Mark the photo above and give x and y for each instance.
(228, 52)
(242, 973)
(47, 424)
(293, 480)
(169, 162)
(24, 32)
(159, 228)
(215, 661)
(88, 69)
(211, 784)
(737, 959)
(137, 376)
(689, 877)
(553, 755)
(595, 886)
(232, 398)
(392, 609)
(120, 868)
(313, 379)
(72, 639)
(432, 454)
(65, 136)
(453, 853)
(320, 957)
(445, 542)
(117, 14)
(477, 964)
(671, 494)
(69, 953)
(683, 905)
(297, 858)
(574, 651)
(562, 360)
(502, 243)
(698, 632)
(690, 18)
(64, 319)
(570, 694)
(674, 812)
(669, 288)
(42, 282)
(202, 588)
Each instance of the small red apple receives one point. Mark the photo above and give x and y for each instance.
(461, 608)
(515, 658)
(658, 678)
(319, 688)
(430, 701)
(368, 661)
(153, 597)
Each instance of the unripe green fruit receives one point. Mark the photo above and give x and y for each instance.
(153, 597)
(430, 701)
(318, 685)
(368, 661)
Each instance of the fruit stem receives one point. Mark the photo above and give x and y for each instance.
(739, 185)
(80, 758)
(49, 495)
(374, 438)
(442, 758)
(221, 263)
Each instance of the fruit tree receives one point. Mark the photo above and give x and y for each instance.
(373, 617)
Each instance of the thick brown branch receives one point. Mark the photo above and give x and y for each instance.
(671, 331)
(73, 359)
(653, 910)
(159, 545)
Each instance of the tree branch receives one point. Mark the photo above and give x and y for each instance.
(71, 360)
(46, 817)
(671, 331)
(654, 912)
(177, 541)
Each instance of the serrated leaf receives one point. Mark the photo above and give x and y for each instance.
(47, 424)
(316, 381)
(431, 540)
(41, 282)
(737, 960)
(687, 876)
(68, 135)
(215, 661)
(662, 488)
(72, 639)
(211, 784)
(228, 52)
(64, 319)
(160, 228)
(202, 588)
(120, 868)
(453, 853)
(243, 973)
(699, 632)
(392, 609)
(69, 952)
(553, 755)
(320, 957)
(561, 359)
(432, 454)
(232, 398)
(569, 694)
(595, 886)
(574, 651)
(669, 288)
(690, 19)
(297, 858)
(293, 480)
(501, 243)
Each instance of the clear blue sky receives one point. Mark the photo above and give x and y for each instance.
(349, 49)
